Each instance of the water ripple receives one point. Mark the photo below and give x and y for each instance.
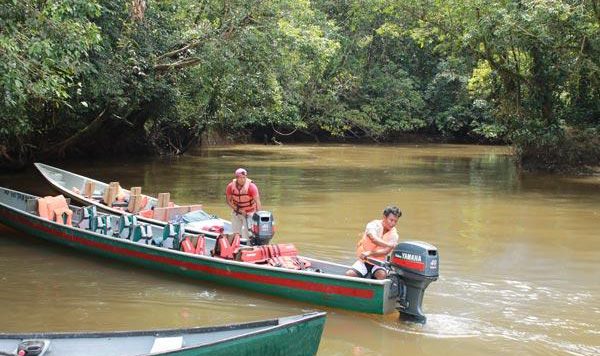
(519, 311)
(439, 326)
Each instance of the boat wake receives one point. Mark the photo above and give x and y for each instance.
(444, 326)
(441, 326)
(520, 313)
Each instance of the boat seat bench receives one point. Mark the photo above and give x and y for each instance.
(89, 219)
(172, 237)
(129, 227)
(126, 223)
(141, 233)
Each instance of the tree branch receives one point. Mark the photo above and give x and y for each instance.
(61, 147)
(225, 31)
(173, 53)
(188, 62)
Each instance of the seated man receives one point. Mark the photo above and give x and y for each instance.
(379, 239)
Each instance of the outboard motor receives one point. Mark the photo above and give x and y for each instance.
(33, 347)
(414, 265)
(262, 228)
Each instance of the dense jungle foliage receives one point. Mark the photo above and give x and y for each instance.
(83, 77)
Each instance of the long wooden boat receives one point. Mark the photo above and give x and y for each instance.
(73, 186)
(293, 335)
(414, 264)
(326, 284)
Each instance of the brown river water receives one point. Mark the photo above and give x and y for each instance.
(519, 253)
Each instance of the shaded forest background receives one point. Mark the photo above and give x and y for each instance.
(91, 77)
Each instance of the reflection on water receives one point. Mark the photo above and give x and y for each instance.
(519, 253)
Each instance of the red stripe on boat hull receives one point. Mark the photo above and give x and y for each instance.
(290, 283)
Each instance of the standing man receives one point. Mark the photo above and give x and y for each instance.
(379, 239)
(242, 196)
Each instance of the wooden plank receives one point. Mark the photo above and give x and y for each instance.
(88, 189)
(135, 203)
(195, 207)
(136, 190)
(110, 194)
(160, 214)
(177, 210)
(163, 200)
(168, 213)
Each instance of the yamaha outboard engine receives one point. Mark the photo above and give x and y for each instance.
(262, 229)
(33, 347)
(415, 264)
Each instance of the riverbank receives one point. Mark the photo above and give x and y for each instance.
(575, 152)
(571, 158)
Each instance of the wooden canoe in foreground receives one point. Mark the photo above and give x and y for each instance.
(294, 335)
(328, 287)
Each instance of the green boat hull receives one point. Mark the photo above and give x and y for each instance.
(297, 339)
(292, 335)
(354, 294)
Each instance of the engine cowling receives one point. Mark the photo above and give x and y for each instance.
(262, 228)
(416, 265)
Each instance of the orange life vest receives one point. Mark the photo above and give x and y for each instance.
(55, 209)
(365, 244)
(241, 198)
(226, 249)
(187, 245)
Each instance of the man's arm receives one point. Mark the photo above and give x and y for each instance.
(256, 197)
(230, 202)
(379, 242)
(229, 199)
(257, 201)
(377, 252)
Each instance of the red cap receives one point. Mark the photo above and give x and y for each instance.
(240, 172)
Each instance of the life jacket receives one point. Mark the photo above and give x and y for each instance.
(226, 249)
(280, 255)
(241, 198)
(365, 244)
(261, 254)
(187, 245)
(256, 254)
(215, 228)
(289, 262)
(55, 209)
(148, 213)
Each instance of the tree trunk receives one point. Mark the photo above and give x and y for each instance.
(85, 133)
(541, 89)
(138, 8)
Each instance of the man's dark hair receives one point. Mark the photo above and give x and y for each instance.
(392, 210)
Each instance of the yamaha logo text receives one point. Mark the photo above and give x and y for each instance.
(411, 257)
